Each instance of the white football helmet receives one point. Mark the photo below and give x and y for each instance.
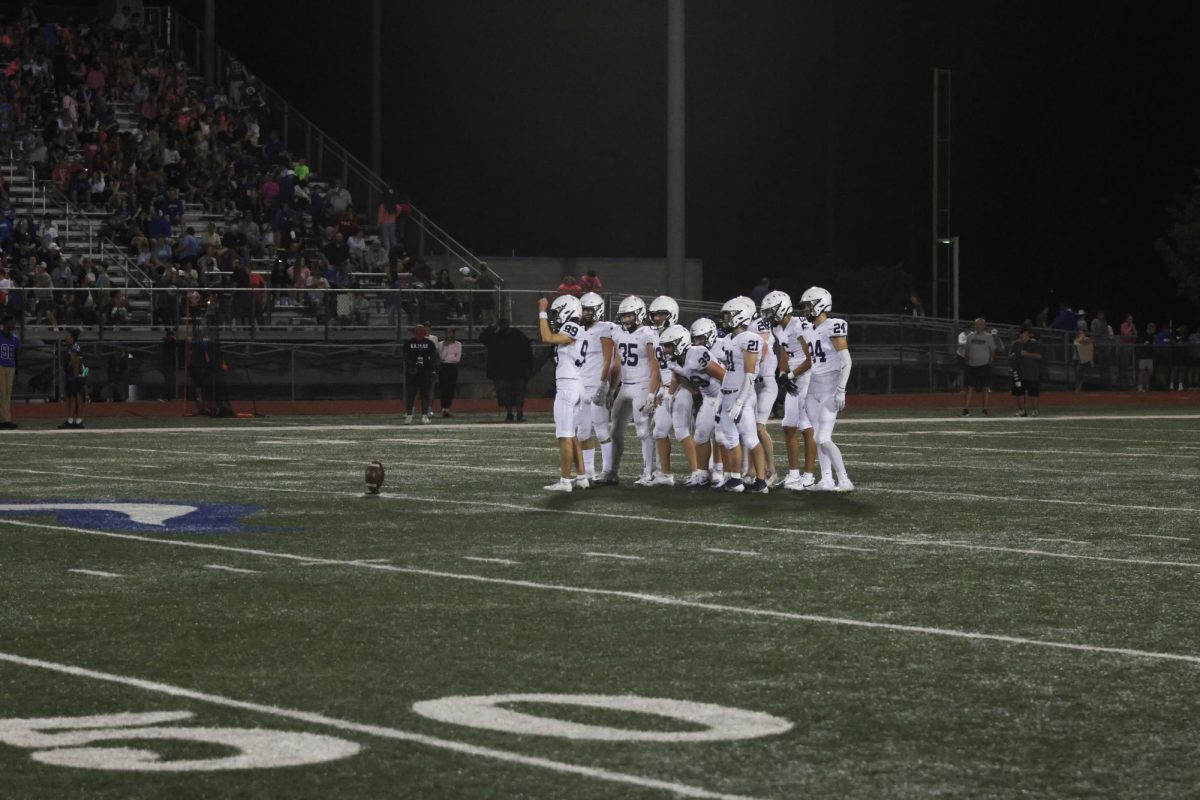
(664, 312)
(737, 313)
(631, 313)
(820, 301)
(565, 307)
(776, 307)
(594, 303)
(705, 330)
(677, 338)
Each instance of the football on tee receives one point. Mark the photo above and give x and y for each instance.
(374, 477)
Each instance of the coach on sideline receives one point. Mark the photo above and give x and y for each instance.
(977, 372)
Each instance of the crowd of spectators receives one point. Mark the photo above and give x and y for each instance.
(1167, 355)
(207, 146)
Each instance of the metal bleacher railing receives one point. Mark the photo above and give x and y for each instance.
(327, 158)
(892, 353)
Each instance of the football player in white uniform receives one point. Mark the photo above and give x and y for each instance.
(637, 376)
(696, 382)
(794, 364)
(559, 325)
(827, 388)
(738, 401)
(663, 313)
(766, 390)
(710, 453)
(593, 415)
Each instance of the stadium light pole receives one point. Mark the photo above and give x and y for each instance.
(376, 89)
(676, 162)
(953, 242)
(210, 42)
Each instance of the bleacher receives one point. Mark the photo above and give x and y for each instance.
(367, 311)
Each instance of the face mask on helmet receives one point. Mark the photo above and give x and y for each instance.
(660, 319)
(628, 321)
(588, 317)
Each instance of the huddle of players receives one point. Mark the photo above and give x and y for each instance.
(712, 389)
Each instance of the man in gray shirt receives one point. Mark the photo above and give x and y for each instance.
(979, 354)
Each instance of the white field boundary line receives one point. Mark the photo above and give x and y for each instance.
(731, 552)
(1064, 541)
(643, 597)
(224, 568)
(613, 555)
(267, 428)
(378, 731)
(96, 573)
(483, 560)
(865, 537)
(1153, 536)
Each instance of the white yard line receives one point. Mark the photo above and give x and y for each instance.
(97, 573)
(1022, 451)
(490, 560)
(1065, 541)
(642, 597)
(379, 731)
(435, 502)
(1153, 536)
(224, 568)
(731, 552)
(845, 547)
(1026, 499)
(614, 555)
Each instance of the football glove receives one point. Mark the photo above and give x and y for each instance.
(601, 395)
(839, 400)
(648, 405)
(735, 411)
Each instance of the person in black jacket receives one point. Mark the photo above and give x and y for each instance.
(420, 365)
(509, 362)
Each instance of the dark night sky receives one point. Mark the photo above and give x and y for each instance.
(539, 126)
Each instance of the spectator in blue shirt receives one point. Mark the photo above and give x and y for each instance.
(10, 344)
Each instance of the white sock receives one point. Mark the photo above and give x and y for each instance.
(564, 480)
(793, 473)
(808, 476)
(835, 458)
(823, 463)
(647, 455)
(735, 476)
(589, 461)
(606, 456)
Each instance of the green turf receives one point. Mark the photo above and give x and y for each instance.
(1036, 535)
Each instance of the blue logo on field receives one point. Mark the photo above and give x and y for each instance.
(138, 515)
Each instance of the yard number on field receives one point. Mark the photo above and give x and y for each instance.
(67, 741)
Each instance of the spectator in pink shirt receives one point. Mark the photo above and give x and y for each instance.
(570, 285)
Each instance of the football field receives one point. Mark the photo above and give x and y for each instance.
(214, 609)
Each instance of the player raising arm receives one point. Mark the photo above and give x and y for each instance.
(558, 324)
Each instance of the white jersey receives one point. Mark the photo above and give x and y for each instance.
(631, 352)
(694, 370)
(570, 358)
(593, 350)
(768, 362)
(731, 359)
(826, 360)
(664, 369)
(791, 338)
